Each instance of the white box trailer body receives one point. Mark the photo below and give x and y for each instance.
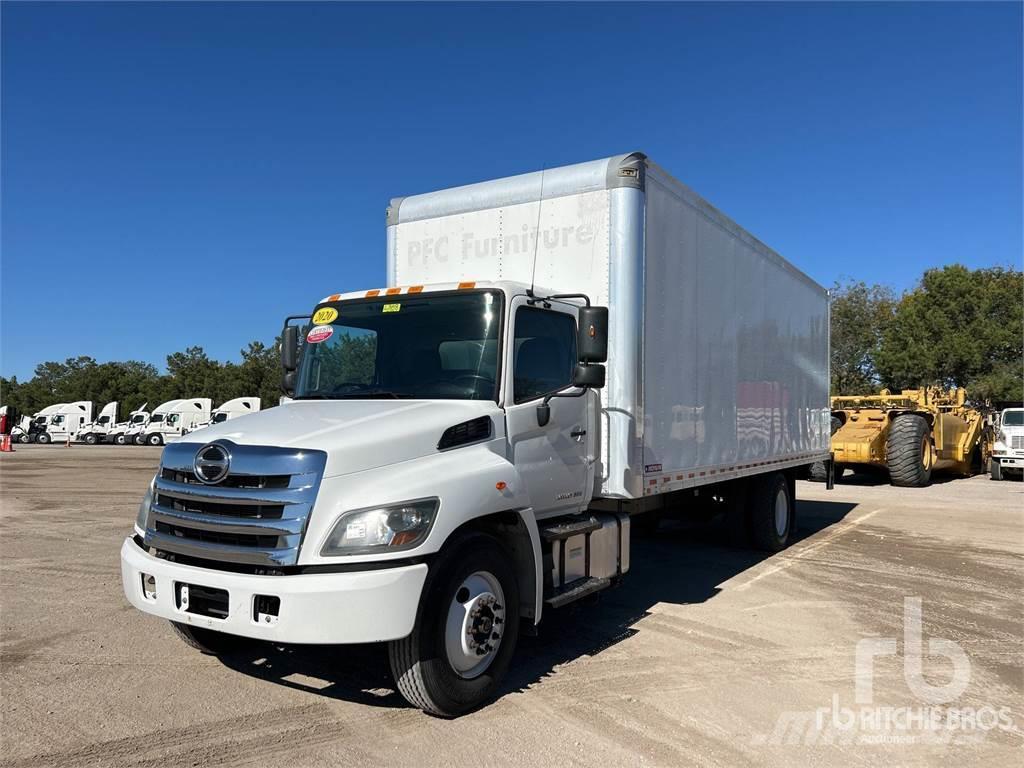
(718, 361)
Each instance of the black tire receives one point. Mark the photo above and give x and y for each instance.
(43, 438)
(908, 451)
(90, 439)
(118, 440)
(209, 642)
(138, 439)
(419, 663)
(25, 438)
(763, 494)
(155, 439)
(995, 470)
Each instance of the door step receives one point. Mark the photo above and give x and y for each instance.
(576, 591)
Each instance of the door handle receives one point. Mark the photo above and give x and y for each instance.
(578, 433)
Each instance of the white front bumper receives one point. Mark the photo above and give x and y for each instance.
(329, 608)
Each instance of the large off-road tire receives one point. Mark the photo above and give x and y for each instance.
(43, 438)
(471, 597)
(772, 511)
(209, 642)
(995, 470)
(908, 451)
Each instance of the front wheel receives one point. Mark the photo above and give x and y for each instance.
(156, 439)
(119, 440)
(26, 438)
(995, 470)
(43, 438)
(90, 439)
(465, 632)
(908, 451)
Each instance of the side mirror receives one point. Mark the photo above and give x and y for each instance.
(592, 337)
(589, 376)
(289, 348)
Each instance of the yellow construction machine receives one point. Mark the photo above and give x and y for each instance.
(910, 434)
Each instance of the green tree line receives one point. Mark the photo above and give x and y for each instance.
(191, 373)
(957, 327)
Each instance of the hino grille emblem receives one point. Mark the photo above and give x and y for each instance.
(212, 463)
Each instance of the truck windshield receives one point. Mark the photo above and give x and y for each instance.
(157, 418)
(424, 346)
(1013, 419)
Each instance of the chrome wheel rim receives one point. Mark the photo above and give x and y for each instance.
(475, 624)
(781, 512)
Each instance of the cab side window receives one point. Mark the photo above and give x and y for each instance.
(545, 353)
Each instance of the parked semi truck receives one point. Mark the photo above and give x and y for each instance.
(98, 431)
(1008, 447)
(173, 419)
(125, 431)
(230, 409)
(29, 428)
(64, 423)
(461, 452)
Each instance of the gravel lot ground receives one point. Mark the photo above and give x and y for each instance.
(705, 655)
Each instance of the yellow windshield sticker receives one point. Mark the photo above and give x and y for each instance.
(392, 307)
(325, 315)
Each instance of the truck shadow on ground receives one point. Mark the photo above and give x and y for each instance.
(679, 563)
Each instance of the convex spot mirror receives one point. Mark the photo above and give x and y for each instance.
(592, 341)
(589, 376)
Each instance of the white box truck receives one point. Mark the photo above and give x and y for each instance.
(174, 418)
(455, 459)
(98, 431)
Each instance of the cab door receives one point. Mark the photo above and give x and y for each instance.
(553, 460)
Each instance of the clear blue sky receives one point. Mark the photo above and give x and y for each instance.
(178, 174)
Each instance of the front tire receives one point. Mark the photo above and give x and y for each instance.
(772, 512)
(465, 632)
(209, 642)
(90, 439)
(119, 440)
(995, 470)
(908, 452)
(25, 438)
(43, 438)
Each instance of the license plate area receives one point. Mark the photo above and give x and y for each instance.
(202, 601)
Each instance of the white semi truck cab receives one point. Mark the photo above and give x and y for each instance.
(29, 429)
(1008, 448)
(98, 431)
(175, 418)
(229, 409)
(127, 432)
(65, 422)
(454, 459)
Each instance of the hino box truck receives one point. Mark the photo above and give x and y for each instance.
(462, 451)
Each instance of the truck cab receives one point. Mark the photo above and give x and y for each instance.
(1008, 449)
(98, 431)
(127, 432)
(230, 409)
(65, 422)
(174, 419)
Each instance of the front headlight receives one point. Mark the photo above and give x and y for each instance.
(390, 528)
(143, 515)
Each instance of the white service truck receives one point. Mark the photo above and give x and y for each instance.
(65, 422)
(178, 417)
(98, 431)
(454, 461)
(126, 431)
(230, 409)
(1008, 449)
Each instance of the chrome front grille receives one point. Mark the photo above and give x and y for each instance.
(1017, 442)
(256, 515)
